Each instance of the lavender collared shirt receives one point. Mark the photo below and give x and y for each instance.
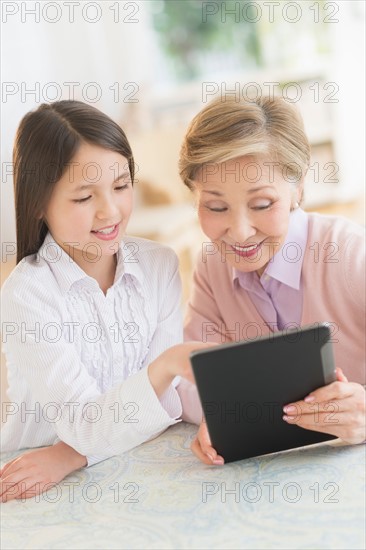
(277, 294)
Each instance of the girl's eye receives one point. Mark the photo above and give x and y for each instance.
(121, 187)
(82, 200)
(85, 199)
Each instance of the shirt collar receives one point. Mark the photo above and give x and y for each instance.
(281, 267)
(67, 272)
(128, 261)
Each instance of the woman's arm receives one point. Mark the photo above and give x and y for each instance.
(203, 321)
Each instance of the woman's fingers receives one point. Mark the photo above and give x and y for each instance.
(337, 409)
(318, 398)
(336, 398)
(340, 375)
(203, 449)
(197, 450)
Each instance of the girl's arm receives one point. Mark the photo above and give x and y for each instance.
(36, 471)
(45, 370)
(54, 372)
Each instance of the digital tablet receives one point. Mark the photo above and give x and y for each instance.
(243, 387)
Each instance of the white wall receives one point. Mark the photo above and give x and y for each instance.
(72, 49)
(124, 52)
(348, 70)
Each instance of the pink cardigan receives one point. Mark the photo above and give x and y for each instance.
(333, 276)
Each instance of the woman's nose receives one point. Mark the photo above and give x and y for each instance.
(241, 229)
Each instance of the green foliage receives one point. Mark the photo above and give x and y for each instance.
(185, 32)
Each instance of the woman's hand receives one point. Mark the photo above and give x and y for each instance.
(202, 447)
(34, 472)
(337, 409)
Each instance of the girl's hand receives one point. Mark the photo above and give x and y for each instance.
(337, 409)
(32, 473)
(178, 360)
(173, 362)
(202, 448)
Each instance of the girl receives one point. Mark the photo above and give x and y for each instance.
(88, 316)
(269, 265)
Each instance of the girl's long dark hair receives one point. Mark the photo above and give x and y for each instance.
(47, 139)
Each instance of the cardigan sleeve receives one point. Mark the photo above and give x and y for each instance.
(203, 321)
(354, 268)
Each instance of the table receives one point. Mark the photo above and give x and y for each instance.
(159, 495)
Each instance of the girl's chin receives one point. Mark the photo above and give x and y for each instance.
(104, 246)
(93, 251)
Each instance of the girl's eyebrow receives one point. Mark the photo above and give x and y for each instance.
(122, 175)
(85, 186)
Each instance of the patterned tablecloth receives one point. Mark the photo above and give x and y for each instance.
(159, 496)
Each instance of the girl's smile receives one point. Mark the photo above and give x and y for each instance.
(107, 233)
(90, 207)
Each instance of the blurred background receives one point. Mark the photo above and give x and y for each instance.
(152, 65)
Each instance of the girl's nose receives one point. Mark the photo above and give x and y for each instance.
(107, 209)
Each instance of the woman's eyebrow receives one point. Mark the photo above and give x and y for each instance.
(216, 193)
(260, 188)
(252, 190)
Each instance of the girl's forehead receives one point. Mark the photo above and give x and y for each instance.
(93, 166)
(92, 152)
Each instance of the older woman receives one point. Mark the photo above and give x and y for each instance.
(268, 265)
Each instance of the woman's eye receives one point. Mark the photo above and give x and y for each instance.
(262, 206)
(216, 208)
(82, 200)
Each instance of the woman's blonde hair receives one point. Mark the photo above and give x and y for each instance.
(226, 129)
